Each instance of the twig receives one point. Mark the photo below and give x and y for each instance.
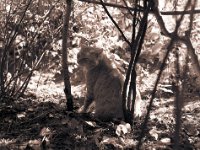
(186, 12)
(23, 87)
(42, 22)
(7, 47)
(116, 25)
(160, 19)
(191, 51)
(135, 51)
(113, 5)
(125, 3)
(185, 39)
(174, 38)
(153, 94)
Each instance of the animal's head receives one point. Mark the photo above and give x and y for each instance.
(89, 57)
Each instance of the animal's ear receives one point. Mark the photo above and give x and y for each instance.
(98, 50)
(83, 46)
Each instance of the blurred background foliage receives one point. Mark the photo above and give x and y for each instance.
(30, 58)
(30, 39)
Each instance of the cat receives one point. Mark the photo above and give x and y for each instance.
(103, 82)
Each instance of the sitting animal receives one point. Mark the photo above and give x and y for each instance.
(103, 82)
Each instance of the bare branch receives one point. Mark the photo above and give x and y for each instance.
(112, 5)
(194, 2)
(116, 25)
(174, 38)
(169, 48)
(160, 19)
(8, 45)
(135, 51)
(186, 12)
(191, 51)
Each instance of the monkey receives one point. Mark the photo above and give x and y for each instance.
(103, 82)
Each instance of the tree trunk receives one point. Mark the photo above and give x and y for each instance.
(65, 70)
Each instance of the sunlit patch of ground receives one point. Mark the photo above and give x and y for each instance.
(40, 120)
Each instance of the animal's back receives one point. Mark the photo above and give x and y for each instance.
(104, 83)
(107, 91)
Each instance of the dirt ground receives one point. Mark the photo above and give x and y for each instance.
(40, 121)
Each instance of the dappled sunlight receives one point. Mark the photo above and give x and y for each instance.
(40, 52)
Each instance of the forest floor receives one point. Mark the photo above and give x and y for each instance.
(40, 121)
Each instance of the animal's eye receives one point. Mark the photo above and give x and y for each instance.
(94, 54)
(85, 59)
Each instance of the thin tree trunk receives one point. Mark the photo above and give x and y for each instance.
(65, 70)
